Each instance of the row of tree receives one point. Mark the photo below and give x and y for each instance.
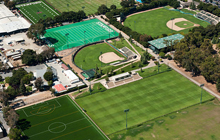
(195, 53)
(209, 8)
(30, 57)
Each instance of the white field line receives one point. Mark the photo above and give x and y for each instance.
(93, 123)
(50, 8)
(39, 106)
(58, 102)
(27, 17)
(25, 112)
(56, 127)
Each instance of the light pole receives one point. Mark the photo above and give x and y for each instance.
(126, 111)
(67, 39)
(67, 7)
(101, 58)
(85, 37)
(202, 85)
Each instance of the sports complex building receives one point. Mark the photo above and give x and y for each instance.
(158, 44)
(9, 23)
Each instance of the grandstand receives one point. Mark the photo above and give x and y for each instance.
(9, 23)
(128, 53)
(212, 19)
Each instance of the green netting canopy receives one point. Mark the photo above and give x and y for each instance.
(160, 43)
(88, 73)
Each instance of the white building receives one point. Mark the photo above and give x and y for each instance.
(9, 22)
(71, 76)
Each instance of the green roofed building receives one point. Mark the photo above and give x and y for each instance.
(164, 42)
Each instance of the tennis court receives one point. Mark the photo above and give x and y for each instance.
(58, 118)
(78, 34)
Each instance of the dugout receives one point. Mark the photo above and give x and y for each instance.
(87, 74)
(161, 43)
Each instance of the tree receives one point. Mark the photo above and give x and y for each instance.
(48, 76)
(15, 134)
(29, 57)
(113, 7)
(12, 118)
(162, 54)
(218, 85)
(38, 83)
(103, 9)
(22, 88)
(4, 98)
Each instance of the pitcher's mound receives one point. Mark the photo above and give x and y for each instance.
(109, 57)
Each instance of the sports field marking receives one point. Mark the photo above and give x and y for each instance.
(50, 8)
(54, 119)
(56, 127)
(24, 112)
(58, 102)
(27, 16)
(87, 118)
(40, 106)
(71, 132)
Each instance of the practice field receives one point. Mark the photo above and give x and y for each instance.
(58, 118)
(90, 6)
(88, 57)
(147, 99)
(78, 34)
(184, 24)
(37, 10)
(154, 22)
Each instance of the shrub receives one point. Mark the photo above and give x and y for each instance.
(156, 62)
(152, 57)
(162, 54)
(168, 57)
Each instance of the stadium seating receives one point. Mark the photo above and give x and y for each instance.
(213, 19)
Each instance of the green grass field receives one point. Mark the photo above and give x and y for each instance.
(58, 118)
(154, 22)
(90, 6)
(78, 34)
(184, 24)
(195, 123)
(147, 99)
(34, 11)
(88, 57)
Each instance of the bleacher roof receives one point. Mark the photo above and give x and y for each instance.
(9, 22)
(159, 43)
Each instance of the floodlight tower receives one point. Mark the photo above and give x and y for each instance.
(126, 111)
(202, 85)
(67, 34)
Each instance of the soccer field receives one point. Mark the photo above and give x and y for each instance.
(37, 10)
(154, 22)
(90, 6)
(147, 99)
(88, 57)
(58, 118)
(78, 34)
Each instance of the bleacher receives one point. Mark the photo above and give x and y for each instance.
(128, 52)
(212, 19)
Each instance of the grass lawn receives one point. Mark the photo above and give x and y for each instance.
(187, 11)
(90, 6)
(195, 123)
(88, 57)
(184, 24)
(154, 22)
(168, 7)
(34, 11)
(147, 99)
(58, 118)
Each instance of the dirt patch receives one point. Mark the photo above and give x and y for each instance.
(109, 57)
(172, 26)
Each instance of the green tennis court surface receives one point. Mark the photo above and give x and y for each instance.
(78, 34)
(36, 10)
(57, 119)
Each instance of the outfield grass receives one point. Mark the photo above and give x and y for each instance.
(147, 99)
(88, 57)
(195, 123)
(90, 6)
(154, 22)
(34, 11)
(184, 24)
(58, 118)
(187, 11)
